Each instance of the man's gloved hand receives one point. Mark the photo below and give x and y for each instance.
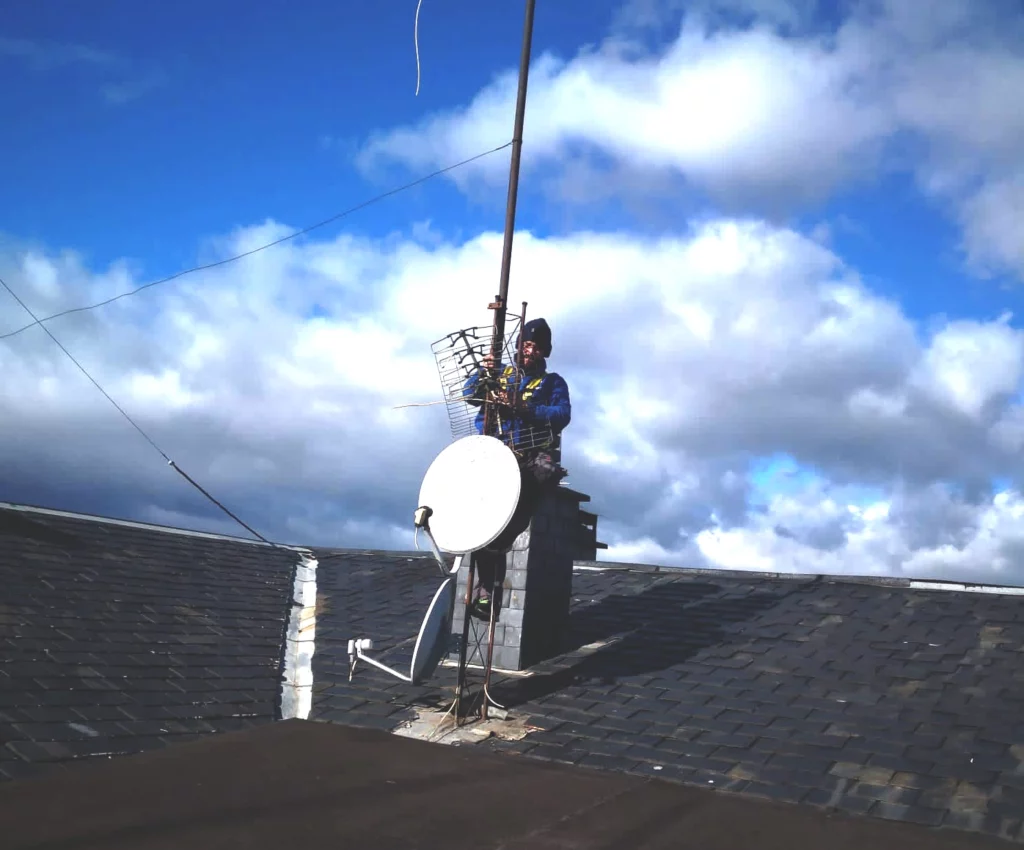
(516, 405)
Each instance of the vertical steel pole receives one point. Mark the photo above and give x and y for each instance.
(498, 591)
(501, 303)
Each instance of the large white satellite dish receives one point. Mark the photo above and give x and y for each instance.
(472, 489)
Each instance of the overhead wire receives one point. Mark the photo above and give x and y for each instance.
(249, 253)
(131, 421)
(41, 321)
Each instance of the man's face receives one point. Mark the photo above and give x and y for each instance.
(531, 354)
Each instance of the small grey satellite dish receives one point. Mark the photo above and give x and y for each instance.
(431, 643)
(472, 489)
(435, 633)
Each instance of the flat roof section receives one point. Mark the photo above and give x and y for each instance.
(302, 783)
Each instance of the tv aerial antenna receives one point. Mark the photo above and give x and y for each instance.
(471, 490)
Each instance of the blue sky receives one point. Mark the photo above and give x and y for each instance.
(684, 179)
(233, 114)
(243, 112)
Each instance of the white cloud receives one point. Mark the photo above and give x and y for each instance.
(47, 55)
(928, 535)
(993, 223)
(126, 91)
(769, 114)
(733, 114)
(689, 359)
(970, 366)
(656, 14)
(125, 83)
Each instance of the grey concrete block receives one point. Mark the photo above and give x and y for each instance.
(537, 589)
(523, 560)
(512, 617)
(506, 658)
(472, 654)
(454, 641)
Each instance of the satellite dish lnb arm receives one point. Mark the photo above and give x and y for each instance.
(356, 651)
(422, 521)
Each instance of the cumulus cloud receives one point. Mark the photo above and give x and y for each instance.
(765, 105)
(993, 224)
(690, 358)
(930, 534)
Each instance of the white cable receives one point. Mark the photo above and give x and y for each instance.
(490, 625)
(418, 404)
(493, 701)
(444, 717)
(416, 41)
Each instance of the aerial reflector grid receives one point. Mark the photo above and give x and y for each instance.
(459, 355)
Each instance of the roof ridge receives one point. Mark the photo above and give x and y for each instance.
(834, 578)
(149, 526)
(326, 553)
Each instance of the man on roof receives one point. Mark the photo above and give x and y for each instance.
(530, 416)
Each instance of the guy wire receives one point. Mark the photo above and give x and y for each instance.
(257, 250)
(131, 421)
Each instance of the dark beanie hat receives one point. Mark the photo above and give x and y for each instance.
(537, 331)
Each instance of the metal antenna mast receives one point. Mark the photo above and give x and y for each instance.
(500, 304)
(462, 529)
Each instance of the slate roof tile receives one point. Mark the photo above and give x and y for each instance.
(117, 638)
(860, 696)
(867, 698)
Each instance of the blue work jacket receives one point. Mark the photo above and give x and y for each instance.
(547, 398)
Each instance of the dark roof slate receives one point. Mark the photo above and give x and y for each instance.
(120, 637)
(867, 697)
